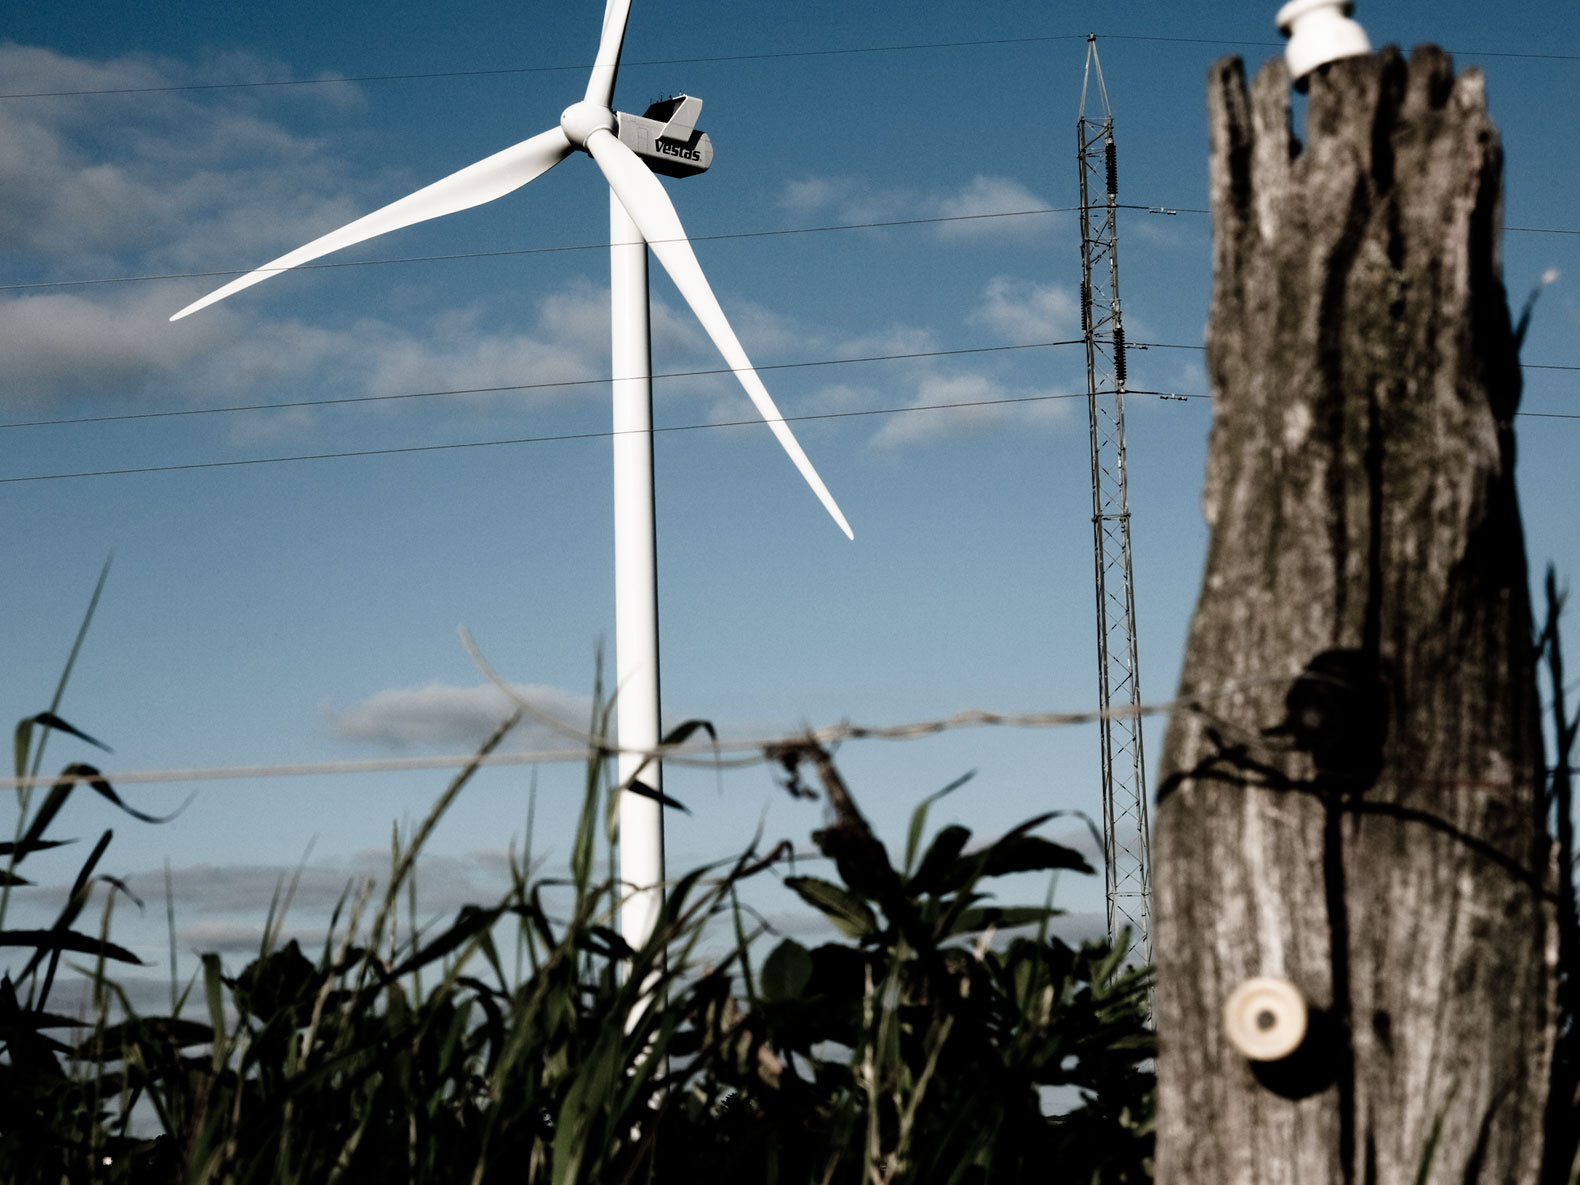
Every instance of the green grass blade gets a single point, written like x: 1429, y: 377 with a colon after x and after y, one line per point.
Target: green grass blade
x: 71, y: 659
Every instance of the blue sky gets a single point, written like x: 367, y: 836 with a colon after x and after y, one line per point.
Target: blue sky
x: 307, y: 611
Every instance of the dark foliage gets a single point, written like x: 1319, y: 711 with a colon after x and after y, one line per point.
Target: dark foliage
x: 922, y: 1046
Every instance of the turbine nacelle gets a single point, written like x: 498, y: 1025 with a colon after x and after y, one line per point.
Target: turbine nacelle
x: 665, y: 136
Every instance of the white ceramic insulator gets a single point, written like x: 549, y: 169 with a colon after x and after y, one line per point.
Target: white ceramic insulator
x: 1265, y: 1018
x: 1319, y: 32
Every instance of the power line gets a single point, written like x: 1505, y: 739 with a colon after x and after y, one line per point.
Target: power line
x: 563, y: 383
x: 426, y: 75
x: 1465, y: 53
x: 605, y: 434
x: 1532, y: 230
x: 507, y: 70
x: 38, y: 285
x: 742, y: 234
x: 1182, y: 346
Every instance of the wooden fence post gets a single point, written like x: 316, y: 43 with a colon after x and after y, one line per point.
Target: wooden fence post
x: 1354, y: 803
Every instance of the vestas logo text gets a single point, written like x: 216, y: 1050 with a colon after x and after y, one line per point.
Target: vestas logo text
x: 670, y: 148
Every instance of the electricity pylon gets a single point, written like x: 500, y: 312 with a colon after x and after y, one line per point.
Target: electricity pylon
x: 1127, y: 866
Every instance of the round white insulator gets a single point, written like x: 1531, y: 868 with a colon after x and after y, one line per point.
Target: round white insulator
x: 1265, y: 1018
x: 1319, y: 32
x: 581, y: 120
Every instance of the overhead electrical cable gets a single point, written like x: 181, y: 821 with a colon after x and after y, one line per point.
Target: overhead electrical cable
x: 1183, y: 346
x: 297, y: 404
x: 740, y: 234
x: 1464, y: 53
x: 604, y: 434
x: 907, y: 47
x: 581, y: 67
x: 607, y: 434
x: 673, y: 374
x: 38, y: 285
x: 1530, y: 230
x: 560, y: 384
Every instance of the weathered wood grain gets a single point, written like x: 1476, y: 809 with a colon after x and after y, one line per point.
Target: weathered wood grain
x: 1372, y: 829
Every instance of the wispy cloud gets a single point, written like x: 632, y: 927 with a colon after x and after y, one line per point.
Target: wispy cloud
x: 140, y: 184
x: 171, y: 183
x: 847, y: 199
x: 951, y: 397
x: 120, y: 348
x: 443, y: 715
x: 91, y: 182
x: 856, y: 200
x: 990, y: 195
x: 950, y: 406
x: 1019, y: 311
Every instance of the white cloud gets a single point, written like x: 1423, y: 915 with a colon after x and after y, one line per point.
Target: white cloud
x: 1160, y: 232
x: 890, y: 341
x: 454, y: 352
x: 950, y: 406
x: 120, y: 347
x: 1022, y: 311
x: 921, y: 382
x: 811, y: 193
x: 90, y: 184
x: 986, y: 196
x: 228, y: 905
x: 933, y: 391
x: 856, y: 200
x: 440, y: 715
x: 95, y: 186
x: 928, y: 385
x: 165, y: 181
x: 58, y: 342
x: 847, y: 200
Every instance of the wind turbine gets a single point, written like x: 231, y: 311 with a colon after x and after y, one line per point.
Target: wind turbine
x: 627, y: 149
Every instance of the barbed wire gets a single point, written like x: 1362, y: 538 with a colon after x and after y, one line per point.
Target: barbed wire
x: 740, y: 753
x: 718, y: 754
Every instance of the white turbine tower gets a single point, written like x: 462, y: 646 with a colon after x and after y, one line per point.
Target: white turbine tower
x: 627, y: 150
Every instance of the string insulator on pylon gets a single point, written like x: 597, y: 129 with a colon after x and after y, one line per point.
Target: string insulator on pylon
x: 1119, y: 355
x: 1086, y: 312
x: 1113, y: 168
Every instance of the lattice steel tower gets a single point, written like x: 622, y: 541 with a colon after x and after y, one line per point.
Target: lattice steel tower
x: 1126, y: 836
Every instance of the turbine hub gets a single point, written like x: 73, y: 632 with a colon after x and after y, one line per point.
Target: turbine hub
x: 580, y: 120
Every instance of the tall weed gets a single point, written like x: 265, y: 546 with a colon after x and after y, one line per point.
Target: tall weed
x: 919, y: 1043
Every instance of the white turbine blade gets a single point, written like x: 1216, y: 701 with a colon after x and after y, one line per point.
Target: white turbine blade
x: 650, y: 208
x: 490, y: 178
x: 600, y: 87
